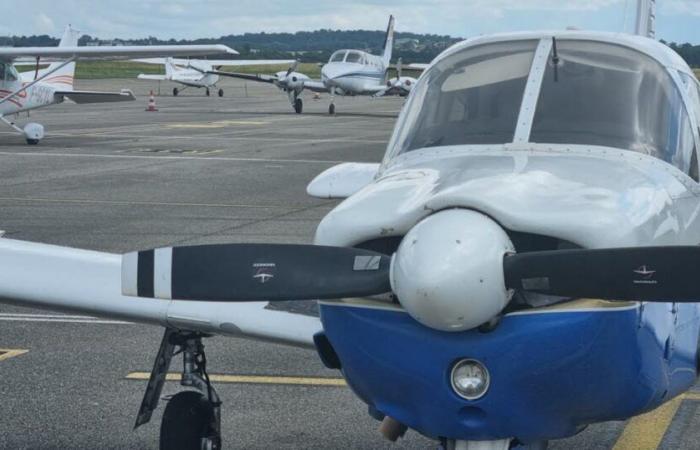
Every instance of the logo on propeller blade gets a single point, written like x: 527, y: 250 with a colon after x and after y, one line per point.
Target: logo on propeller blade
x: 264, y: 272
x: 646, y: 274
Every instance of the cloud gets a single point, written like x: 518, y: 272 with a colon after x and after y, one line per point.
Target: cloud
x: 214, y: 18
x: 681, y: 7
x: 44, y: 23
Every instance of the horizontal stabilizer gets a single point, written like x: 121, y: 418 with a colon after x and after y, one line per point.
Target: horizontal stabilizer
x: 144, y: 76
x: 82, y: 97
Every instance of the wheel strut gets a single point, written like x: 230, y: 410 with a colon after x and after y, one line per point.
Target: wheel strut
x: 194, y: 375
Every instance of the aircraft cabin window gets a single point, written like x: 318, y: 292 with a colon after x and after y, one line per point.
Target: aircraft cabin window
x: 470, y: 97
x: 338, y: 56
x: 609, y: 95
x: 353, y: 57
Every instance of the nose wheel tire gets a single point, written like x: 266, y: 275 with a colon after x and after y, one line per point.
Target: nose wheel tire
x: 32, y: 141
x: 185, y: 423
x: 331, y: 109
x: 298, y: 106
x: 221, y: 92
x: 208, y: 93
x: 175, y: 92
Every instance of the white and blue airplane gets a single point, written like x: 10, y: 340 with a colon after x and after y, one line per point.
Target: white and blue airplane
x: 522, y: 264
x: 20, y: 92
x: 196, y: 73
x: 347, y: 73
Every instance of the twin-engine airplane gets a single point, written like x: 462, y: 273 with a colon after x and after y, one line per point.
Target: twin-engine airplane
x: 523, y: 263
x: 347, y: 73
x: 44, y: 87
x: 197, y: 72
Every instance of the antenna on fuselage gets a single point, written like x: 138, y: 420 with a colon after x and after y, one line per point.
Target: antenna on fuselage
x: 646, y: 18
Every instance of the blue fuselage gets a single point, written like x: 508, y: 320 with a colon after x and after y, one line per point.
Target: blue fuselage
x: 552, y: 372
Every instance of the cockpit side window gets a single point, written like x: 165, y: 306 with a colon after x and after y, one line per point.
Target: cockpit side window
x: 353, y: 57
x: 692, y: 88
x: 609, y: 95
x: 338, y: 56
x: 470, y: 97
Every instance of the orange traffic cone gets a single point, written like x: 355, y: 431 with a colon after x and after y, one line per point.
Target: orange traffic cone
x: 151, y: 103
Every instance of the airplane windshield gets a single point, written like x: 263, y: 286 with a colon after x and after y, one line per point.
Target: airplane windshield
x: 338, y: 56
x: 608, y: 95
x: 353, y: 57
x: 596, y: 93
x: 470, y: 97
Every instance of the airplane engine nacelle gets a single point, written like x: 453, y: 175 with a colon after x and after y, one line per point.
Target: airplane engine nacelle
x: 448, y: 271
x: 295, y: 82
x: 34, y: 131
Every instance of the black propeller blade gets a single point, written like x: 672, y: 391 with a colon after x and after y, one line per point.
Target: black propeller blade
x: 660, y: 274
x: 255, y: 272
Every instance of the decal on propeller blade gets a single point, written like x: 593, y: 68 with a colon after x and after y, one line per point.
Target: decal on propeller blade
x: 264, y: 272
x: 646, y: 275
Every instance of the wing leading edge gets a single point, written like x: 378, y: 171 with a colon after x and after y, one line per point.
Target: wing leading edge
x: 84, y: 97
x: 62, y: 278
x: 117, y: 52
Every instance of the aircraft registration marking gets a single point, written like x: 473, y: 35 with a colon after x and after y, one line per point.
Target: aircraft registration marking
x: 217, y: 124
x: 10, y: 353
x: 253, y: 379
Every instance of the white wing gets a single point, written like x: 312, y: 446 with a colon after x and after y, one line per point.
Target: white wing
x: 61, y: 278
x: 218, y: 62
x: 82, y: 97
x: 117, y: 52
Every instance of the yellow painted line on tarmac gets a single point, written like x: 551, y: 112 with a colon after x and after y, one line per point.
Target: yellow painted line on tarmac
x: 645, y: 432
x: 253, y: 379
x: 6, y: 353
x: 692, y: 396
x: 217, y: 124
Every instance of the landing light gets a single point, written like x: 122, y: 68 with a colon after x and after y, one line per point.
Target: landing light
x: 470, y: 379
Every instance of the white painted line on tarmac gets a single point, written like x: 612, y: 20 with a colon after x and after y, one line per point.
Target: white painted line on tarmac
x: 199, y: 158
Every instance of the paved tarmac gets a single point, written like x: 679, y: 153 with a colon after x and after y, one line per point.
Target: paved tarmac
x: 201, y: 170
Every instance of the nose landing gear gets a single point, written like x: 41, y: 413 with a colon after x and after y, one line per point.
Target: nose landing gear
x: 192, y: 419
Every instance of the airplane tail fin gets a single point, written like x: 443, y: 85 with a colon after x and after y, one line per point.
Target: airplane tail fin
x: 388, y: 42
x: 646, y: 18
x: 63, y: 77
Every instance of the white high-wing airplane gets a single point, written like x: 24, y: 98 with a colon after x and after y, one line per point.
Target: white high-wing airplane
x: 44, y: 87
x: 348, y: 72
x: 197, y: 72
x: 523, y: 263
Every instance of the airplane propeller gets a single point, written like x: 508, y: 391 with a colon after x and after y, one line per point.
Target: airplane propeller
x: 447, y: 286
x: 292, y: 67
x: 255, y: 272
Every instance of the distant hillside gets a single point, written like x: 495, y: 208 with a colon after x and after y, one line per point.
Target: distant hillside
x: 310, y: 46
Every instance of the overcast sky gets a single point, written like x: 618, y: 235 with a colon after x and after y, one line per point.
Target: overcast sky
x: 677, y: 20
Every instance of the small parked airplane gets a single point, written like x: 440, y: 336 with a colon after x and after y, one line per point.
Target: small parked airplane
x: 198, y: 72
x: 347, y: 73
x: 522, y: 264
x: 43, y: 87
